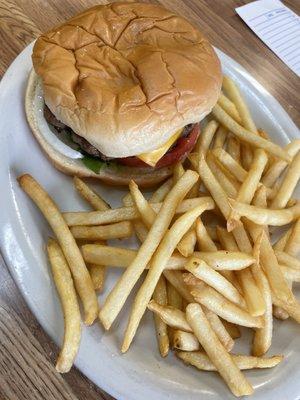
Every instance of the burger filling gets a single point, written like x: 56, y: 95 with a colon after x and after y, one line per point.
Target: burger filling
x: 176, y: 149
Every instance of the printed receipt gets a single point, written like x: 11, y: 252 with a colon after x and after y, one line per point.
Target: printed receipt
x: 277, y: 26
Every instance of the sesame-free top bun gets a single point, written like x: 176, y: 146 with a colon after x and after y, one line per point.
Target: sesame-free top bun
x: 126, y: 76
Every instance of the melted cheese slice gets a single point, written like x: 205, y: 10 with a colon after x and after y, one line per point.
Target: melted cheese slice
x: 154, y: 156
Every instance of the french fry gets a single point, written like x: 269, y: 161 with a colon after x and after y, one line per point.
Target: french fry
x: 178, y: 171
x: 225, y: 309
x: 185, y: 341
x: 174, y: 297
x: 235, y: 96
x: 96, y: 271
x: 117, y: 297
x: 65, y: 288
x: 121, y: 214
x: 212, y: 232
x: 160, y: 297
x: 171, y: 316
x: 229, y: 107
x: 281, y: 243
x: 280, y: 313
x: 80, y: 274
x: 278, y: 166
x: 214, y: 187
x: 288, y: 260
x: 247, y: 136
x: 292, y: 245
x: 234, y: 148
x: 262, y: 216
x: 201, y: 361
x: 273, y: 272
x: 203, y: 271
x: 89, y: 195
x: 263, y: 337
x: 288, y: 184
x: 139, y: 228
x: 230, y: 186
x: 206, y: 137
x: 162, y: 191
x: 290, y: 274
x: 220, y: 137
x: 187, y: 243
x: 249, y: 186
x: 123, y: 257
x: 204, y: 241
x: 220, y: 358
x: 230, y: 163
x: 175, y: 278
x: 147, y: 214
x: 158, y: 262
x: 293, y: 308
x: 232, y: 329
x: 119, y: 230
x: 223, y: 260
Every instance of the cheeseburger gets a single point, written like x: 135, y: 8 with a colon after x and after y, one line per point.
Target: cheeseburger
x: 118, y: 91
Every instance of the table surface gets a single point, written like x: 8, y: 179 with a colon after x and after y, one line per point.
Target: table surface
x: 27, y: 355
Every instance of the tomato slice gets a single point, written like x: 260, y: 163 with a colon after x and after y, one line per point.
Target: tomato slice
x: 183, y: 147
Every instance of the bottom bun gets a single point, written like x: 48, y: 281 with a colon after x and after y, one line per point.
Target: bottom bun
x: 121, y: 175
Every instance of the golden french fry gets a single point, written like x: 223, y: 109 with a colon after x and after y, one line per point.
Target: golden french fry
x: 224, y: 260
x: 235, y: 96
x: 232, y: 329
x: 161, y: 192
x: 278, y: 166
x: 97, y: 273
x: 230, y: 163
x: 119, y: 230
x: 219, y: 329
x: 292, y: 245
x: 201, y: 361
x: 187, y: 243
x: 171, y: 316
x: 139, y: 228
x: 158, y: 262
x: 273, y: 272
x: 204, y: 241
x: 160, y: 297
x: 263, y: 337
x: 293, y: 309
x: 229, y: 107
x: 89, y: 195
x: 218, y: 355
x: 174, y: 297
x: 121, y: 214
x: 220, y: 137
x: 262, y: 216
x: 234, y: 148
x: 288, y: 184
x: 203, y: 271
x: 230, y: 186
x: 247, y: 136
x: 214, y: 187
x: 288, y: 260
x: 175, y: 278
x: 206, y: 137
x: 281, y: 243
x: 65, y: 288
x: 117, y: 297
x: 147, y: 214
x: 80, y: 274
x: 290, y: 274
x: 249, y: 186
x: 227, y: 310
x: 212, y: 232
x: 185, y: 341
x: 279, y: 313
x: 178, y: 171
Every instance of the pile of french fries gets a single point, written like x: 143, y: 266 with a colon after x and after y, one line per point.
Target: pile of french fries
x: 207, y: 249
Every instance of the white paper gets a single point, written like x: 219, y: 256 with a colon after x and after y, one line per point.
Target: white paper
x: 277, y: 26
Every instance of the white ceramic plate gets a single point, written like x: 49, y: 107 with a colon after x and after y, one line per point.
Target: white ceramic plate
x: 141, y: 373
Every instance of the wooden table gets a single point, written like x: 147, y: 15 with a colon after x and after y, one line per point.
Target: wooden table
x: 27, y: 355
